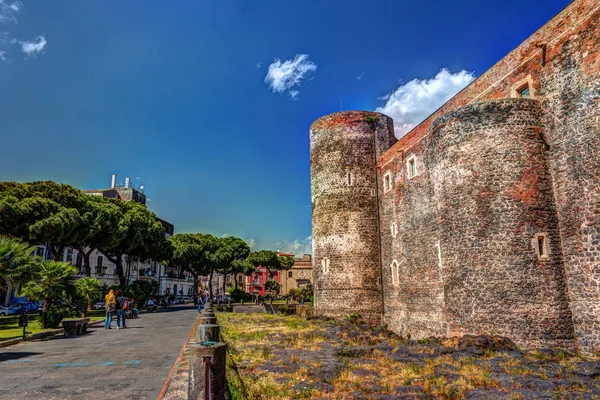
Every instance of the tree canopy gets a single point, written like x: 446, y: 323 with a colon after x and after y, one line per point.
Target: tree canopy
x: 271, y: 261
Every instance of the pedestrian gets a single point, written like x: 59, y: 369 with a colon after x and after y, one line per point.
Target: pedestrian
x: 110, y: 302
x: 134, y: 311
x: 122, y: 308
x: 200, y: 305
x: 151, y: 306
x: 301, y: 299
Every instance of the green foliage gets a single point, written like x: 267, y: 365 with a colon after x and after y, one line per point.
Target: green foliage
x: 45, y: 211
x: 142, y: 290
x: 54, y: 281
x: 225, y: 308
x: 271, y: 261
x: 307, y: 292
x: 89, y: 289
x: 355, y: 318
x: 17, y: 265
x: 238, y: 294
x: 144, y: 237
x: 371, y: 119
x: 53, y: 316
x: 272, y: 288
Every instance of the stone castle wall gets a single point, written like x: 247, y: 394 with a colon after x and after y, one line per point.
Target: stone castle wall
x: 493, y: 175
x: 344, y: 149
x: 493, y: 192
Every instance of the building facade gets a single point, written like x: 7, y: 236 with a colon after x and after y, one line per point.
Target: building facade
x: 485, y: 218
x: 299, y: 276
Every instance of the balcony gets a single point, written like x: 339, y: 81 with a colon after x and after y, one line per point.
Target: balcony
x: 175, y: 276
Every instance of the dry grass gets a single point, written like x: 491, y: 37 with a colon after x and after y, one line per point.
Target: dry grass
x: 280, y: 357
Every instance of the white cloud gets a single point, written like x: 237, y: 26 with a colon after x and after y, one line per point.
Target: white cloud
x: 298, y: 247
x: 33, y: 48
x: 2, y: 56
x: 286, y: 76
x: 414, y: 101
x: 8, y: 11
x: 358, y: 78
x: 258, y: 65
x: 251, y: 243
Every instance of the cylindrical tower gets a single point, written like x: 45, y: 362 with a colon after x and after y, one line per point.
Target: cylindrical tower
x: 344, y: 149
x: 500, y: 249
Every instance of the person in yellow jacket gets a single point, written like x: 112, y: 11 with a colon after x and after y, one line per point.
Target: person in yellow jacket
x: 110, y: 302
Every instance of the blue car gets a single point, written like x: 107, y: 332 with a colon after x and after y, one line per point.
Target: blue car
x: 16, y: 308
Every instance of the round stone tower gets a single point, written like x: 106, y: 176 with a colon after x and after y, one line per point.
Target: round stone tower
x: 344, y: 150
x: 499, y: 243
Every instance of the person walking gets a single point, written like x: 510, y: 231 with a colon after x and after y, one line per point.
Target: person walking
x: 122, y: 308
x: 110, y: 302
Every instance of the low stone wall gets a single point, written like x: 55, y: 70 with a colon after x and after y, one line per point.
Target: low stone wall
x: 176, y: 386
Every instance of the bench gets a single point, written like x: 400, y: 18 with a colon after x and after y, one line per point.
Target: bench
x: 76, y: 326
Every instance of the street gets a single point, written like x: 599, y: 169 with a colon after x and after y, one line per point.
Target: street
x: 130, y: 363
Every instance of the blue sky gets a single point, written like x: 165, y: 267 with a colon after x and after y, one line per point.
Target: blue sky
x: 175, y: 92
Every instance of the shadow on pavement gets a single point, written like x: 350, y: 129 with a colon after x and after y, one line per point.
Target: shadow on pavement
x: 16, y: 355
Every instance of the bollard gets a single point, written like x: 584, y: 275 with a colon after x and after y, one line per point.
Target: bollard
x: 208, y: 310
x: 208, y: 320
x: 207, y: 371
x: 208, y: 333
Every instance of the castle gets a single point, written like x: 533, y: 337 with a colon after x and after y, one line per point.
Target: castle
x: 485, y: 218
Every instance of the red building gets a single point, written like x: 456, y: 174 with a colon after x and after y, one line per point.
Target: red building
x: 255, y: 283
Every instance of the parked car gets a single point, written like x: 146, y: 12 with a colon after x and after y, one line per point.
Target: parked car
x: 99, y: 305
x: 3, y: 311
x: 30, y: 307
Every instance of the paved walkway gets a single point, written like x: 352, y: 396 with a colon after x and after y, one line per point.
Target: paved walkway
x: 130, y: 363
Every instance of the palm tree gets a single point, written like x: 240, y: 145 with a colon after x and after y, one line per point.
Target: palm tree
x: 54, y: 281
x: 17, y: 263
x: 88, y: 288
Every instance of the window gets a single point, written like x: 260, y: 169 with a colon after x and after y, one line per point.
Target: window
x: 301, y: 274
x: 350, y: 179
x: 523, y: 89
x: 99, y: 267
x: 325, y: 265
x: 395, y: 270
x: 387, y: 182
x: 524, y: 92
x: 39, y: 251
x: 394, y: 229
x: 541, y: 245
x: 69, y: 255
x: 290, y: 274
x: 372, y: 192
x: 411, y: 167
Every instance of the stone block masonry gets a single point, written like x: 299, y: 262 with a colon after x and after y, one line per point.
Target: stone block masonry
x: 485, y: 218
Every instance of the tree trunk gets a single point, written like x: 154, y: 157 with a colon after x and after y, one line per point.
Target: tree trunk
x: 235, y: 279
x: 86, y: 260
x: 118, y: 261
x: 224, y: 280
x: 210, y: 292
x: 57, y: 252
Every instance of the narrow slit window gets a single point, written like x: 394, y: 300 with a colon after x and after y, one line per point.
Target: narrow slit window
x: 387, y: 182
x: 325, y: 265
x: 411, y: 167
x: 541, y: 246
x: 395, y: 270
x: 394, y: 229
x: 350, y: 179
